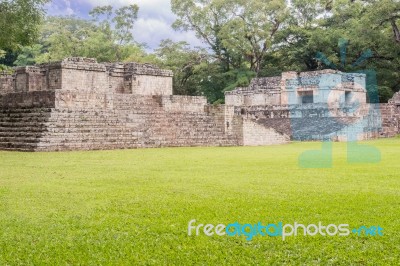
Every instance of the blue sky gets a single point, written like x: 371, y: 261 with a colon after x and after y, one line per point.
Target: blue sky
x: 153, y: 25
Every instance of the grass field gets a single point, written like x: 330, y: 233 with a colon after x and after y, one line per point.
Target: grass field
x: 133, y: 206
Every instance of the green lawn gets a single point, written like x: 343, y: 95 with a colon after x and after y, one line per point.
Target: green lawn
x: 133, y: 206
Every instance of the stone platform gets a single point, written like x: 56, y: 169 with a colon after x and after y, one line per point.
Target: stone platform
x: 79, y: 104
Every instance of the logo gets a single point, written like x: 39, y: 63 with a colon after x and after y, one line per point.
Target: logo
x: 332, y: 107
x: 281, y: 230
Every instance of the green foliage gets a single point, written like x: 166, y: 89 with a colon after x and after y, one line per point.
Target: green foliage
x: 316, y: 26
x: 28, y: 55
x: 385, y: 94
x: 117, y: 25
x: 206, y: 20
x: 239, y: 32
x: 189, y: 65
x: 238, y: 78
x: 196, y: 73
x: 69, y: 36
x: 137, y: 53
x: 4, y: 68
x: 107, y: 38
x: 269, y: 37
x: 215, y: 82
x: 251, y: 29
x: 2, y: 55
x: 19, y: 21
x: 121, y: 208
x: 244, y: 39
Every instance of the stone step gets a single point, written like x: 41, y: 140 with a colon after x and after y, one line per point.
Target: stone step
x: 26, y: 116
x: 21, y: 125
x: 21, y: 129
x: 22, y: 121
x: 20, y: 139
x: 126, y: 127
x: 21, y: 135
x: 16, y: 146
x: 11, y: 129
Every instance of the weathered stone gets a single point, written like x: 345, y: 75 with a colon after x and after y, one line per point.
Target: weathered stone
x: 79, y: 104
x: 318, y: 105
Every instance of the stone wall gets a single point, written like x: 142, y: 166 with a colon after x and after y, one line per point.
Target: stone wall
x: 183, y: 104
x: 23, y: 119
x: 325, y: 86
x: 257, y: 134
x: 391, y: 117
x: 75, y: 100
x: 390, y: 120
x: 338, y: 109
x: 261, y: 91
x: 315, y: 122
x: 85, y: 75
x: 72, y: 120
x: 79, y: 104
x: 6, y: 83
x: 147, y: 79
x: 22, y: 129
x: 253, y: 98
x: 395, y: 100
x: 36, y: 99
x: 151, y: 85
x: 133, y: 122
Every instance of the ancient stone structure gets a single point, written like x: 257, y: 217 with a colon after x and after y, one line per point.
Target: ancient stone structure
x: 79, y: 104
x: 318, y: 105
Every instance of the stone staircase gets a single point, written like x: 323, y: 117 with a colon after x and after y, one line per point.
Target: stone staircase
x: 177, y: 129
x: 22, y: 129
x: 133, y: 122
x: 143, y: 124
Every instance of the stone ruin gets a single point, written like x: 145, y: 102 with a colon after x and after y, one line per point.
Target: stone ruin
x: 317, y: 105
x: 79, y: 104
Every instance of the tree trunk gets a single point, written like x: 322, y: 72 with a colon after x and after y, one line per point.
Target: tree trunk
x: 396, y: 31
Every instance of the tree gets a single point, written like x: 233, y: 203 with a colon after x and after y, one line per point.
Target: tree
x: 107, y: 37
x: 316, y: 26
x: 185, y: 63
x: 205, y: 18
x: 28, y: 55
x: 117, y: 25
x: 19, y: 21
x: 302, y: 37
x: 137, y: 53
x: 349, y: 19
x: 121, y: 21
x: 196, y: 72
x: 69, y: 36
x: 236, y: 30
x: 252, y: 28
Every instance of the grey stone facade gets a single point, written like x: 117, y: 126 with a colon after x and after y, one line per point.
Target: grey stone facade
x: 318, y: 105
x: 79, y: 104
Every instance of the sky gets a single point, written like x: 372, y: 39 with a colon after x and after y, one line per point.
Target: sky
x: 154, y: 19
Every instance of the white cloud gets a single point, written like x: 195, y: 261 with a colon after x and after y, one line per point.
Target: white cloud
x: 69, y: 10
x: 152, y: 31
x: 153, y: 25
x: 60, y: 8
